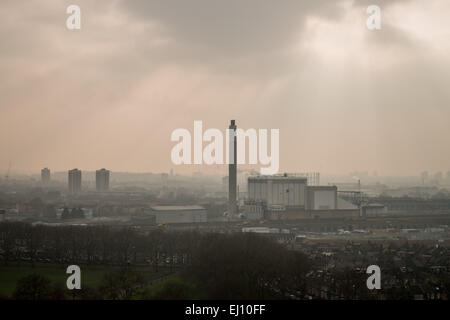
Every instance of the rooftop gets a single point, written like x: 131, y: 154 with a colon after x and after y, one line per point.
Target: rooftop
x: 176, y: 208
x: 277, y: 177
x: 322, y: 188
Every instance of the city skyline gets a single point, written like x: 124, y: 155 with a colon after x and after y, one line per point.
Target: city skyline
x: 254, y: 152
x: 223, y: 171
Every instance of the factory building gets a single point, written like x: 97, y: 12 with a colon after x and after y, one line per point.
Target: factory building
x: 179, y: 214
x: 254, y: 210
x: 322, y: 198
x: 373, y: 210
x: 285, y: 197
x: 278, y: 190
x: 276, y: 197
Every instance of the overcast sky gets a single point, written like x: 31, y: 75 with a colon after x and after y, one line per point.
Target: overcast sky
x: 109, y: 95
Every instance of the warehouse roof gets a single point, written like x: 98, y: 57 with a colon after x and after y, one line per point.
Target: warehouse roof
x: 281, y: 178
x: 322, y: 188
x: 176, y: 208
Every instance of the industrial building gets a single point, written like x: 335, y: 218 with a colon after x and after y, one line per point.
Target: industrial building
x: 283, y: 197
x: 373, y: 210
x: 254, y: 210
x: 74, y: 181
x: 179, y: 214
x: 322, y: 198
x: 278, y: 190
x: 232, y: 171
x: 286, y: 197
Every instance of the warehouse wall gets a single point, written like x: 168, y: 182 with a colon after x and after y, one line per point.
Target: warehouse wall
x: 289, y: 192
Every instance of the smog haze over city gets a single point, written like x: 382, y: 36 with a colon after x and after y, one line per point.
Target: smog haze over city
x: 206, y: 150
x: 344, y: 97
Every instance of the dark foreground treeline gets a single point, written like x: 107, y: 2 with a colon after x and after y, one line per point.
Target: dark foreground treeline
x: 200, y: 266
x: 93, y: 245
x: 208, y: 266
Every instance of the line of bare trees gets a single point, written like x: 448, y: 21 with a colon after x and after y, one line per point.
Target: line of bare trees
x: 93, y: 245
x: 235, y: 266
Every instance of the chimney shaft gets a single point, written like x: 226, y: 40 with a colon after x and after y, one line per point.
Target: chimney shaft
x: 232, y: 174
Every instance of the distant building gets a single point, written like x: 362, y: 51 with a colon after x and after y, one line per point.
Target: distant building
x: 164, y: 179
x: 284, y: 190
x: 438, y: 176
x: 287, y: 197
x: 102, y: 180
x: 322, y: 198
x: 373, y: 210
x: 254, y: 210
x: 45, y: 176
x: 179, y: 214
x: 74, y: 181
x: 272, y: 197
x: 424, y: 176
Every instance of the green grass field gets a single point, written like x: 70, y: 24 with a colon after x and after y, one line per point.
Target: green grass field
x: 91, y: 276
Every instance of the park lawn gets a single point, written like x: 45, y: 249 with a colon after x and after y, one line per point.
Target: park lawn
x: 91, y: 276
x: 172, y: 287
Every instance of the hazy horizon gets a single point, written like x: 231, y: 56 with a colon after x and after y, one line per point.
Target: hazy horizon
x: 364, y: 175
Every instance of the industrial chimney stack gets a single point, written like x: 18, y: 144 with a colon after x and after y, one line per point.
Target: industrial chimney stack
x: 232, y: 178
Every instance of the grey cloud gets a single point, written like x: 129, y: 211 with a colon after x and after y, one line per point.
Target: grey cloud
x: 389, y: 35
x: 251, y: 37
x: 223, y: 59
x: 232, y: 27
